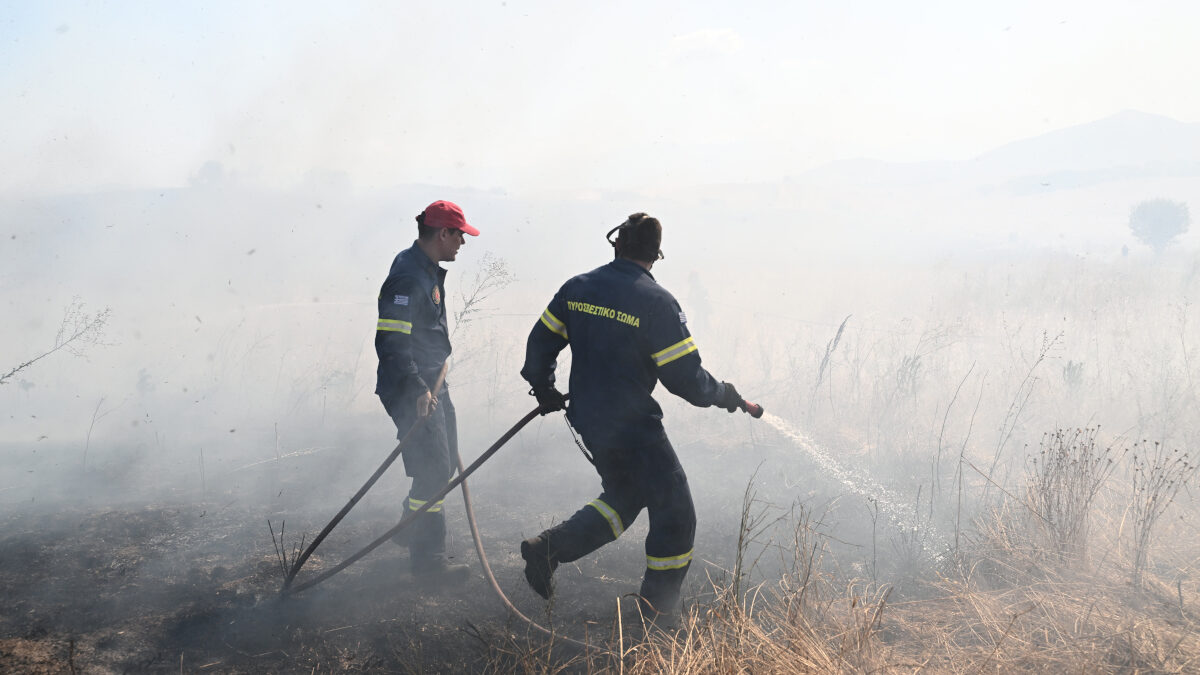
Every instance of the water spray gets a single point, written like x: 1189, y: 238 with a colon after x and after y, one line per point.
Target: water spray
x: 857, y: 482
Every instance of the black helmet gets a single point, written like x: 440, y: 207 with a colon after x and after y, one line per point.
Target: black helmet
x: 639, y: 238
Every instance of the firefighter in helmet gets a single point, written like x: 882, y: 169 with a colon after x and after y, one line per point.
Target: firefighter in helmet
x: 626, y: 334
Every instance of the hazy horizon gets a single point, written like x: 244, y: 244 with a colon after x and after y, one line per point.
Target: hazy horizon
x: 530, y: 95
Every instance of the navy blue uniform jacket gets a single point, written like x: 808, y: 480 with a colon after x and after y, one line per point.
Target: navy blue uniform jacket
x: 411, y: 338
x: 626, y: 334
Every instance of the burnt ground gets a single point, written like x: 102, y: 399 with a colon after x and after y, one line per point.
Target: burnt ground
x: 95, y: 583
x: 136, y: 589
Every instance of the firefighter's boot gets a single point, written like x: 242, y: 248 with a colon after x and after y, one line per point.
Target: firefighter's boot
x: 427, y: 551
x: 439, y: 570
x: 402, y: 538
x: 540, y: 563
x: 659, y: 596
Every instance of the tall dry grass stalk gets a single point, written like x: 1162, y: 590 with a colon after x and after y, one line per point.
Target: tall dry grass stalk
x: 1062, y: 481
x: 1158, y: 475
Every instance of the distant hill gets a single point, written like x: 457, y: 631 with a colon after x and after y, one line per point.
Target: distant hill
x: 1130, y: 140
x: 1124, y: 146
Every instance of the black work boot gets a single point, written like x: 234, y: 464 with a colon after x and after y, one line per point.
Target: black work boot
x: 639, y: 619
x: 539, y: 565
x: 439, y: 570
x: 663, y: 614
x: 403, y: 537
x: 659, y: 597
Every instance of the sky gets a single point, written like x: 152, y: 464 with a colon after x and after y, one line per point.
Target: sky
x: 518, y: 95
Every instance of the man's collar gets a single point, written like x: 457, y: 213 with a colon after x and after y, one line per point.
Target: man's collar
x: 626, y: 264
x: 424, y: 259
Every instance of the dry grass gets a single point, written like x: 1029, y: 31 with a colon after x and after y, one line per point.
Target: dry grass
x: 1158, y: 475
x: 1001, y: 606
x: 1007, y: 610
x: 1062, y: 481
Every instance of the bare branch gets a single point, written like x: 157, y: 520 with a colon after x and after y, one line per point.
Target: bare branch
x: 76, y: 333
x: 491, y: 275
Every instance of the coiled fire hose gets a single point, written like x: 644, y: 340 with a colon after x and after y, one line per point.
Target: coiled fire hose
x: 754, y: 410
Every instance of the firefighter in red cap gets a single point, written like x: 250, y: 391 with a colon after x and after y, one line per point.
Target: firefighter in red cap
x: 626, y: 334
x: 413, y: 343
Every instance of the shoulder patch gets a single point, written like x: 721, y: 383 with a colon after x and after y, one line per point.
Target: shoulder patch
x: 682, y: 317
x: 401, y: 300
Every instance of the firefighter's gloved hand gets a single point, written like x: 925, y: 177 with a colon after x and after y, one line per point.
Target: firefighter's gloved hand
x: 731, y: 400
x: 549, y: 398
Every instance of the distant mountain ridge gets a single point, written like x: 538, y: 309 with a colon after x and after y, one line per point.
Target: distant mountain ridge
x: 1127, y: 145
x: 1126, y: 139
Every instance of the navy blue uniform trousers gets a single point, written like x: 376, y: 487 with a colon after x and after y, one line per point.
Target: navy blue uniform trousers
x: 430, y: 459
x: 635, y: 478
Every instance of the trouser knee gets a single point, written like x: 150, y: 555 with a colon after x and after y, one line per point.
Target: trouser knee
x: 591, y: 527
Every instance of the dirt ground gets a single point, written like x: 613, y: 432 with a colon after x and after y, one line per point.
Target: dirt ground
x: 96, y: 584
x: 160, y: 587
x: 104, y: 573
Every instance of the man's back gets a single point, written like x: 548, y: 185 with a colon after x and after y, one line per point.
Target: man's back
x: 626, y: 332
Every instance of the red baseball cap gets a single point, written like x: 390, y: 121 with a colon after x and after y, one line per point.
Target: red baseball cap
x: 448, y: 215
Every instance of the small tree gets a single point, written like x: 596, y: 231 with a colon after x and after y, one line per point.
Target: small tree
x: 1157, y: 222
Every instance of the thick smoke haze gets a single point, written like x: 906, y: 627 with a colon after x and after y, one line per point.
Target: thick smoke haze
x: 905, y: 231
x: 241, y: 317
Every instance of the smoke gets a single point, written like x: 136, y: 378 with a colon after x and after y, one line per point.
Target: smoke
x: 236, y: 378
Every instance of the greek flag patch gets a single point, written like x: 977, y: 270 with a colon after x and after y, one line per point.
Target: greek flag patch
x: 401, y: 300
x: 682, y: 317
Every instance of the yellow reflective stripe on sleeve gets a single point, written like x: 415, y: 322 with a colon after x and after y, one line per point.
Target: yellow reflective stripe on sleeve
x: 671, y: 563
x: 557, y: 327
x: 395, y: 326
x: 614, y: 520
x: 416, y: 504
x: 677, y: 350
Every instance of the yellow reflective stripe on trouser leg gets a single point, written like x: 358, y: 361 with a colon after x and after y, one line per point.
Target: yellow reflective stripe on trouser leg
x: 555, y: 326
x: 681, y: 348
x: 416, y: 504
x: 395, y: 326
x: 614, y: 519
x: 669, y: 563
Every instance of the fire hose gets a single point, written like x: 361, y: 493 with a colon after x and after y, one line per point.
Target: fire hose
x: 753, y: 409
x: 387, y: 462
